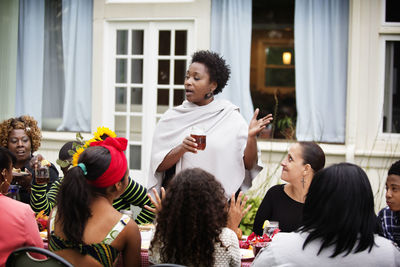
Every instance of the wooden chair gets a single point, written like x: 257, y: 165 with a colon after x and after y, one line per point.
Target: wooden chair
x: 21, y: 257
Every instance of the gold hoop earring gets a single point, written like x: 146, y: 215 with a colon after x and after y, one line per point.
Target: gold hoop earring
x: 1, y: 186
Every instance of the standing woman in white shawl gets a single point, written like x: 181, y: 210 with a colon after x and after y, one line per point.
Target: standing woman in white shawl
x: 231, y: 145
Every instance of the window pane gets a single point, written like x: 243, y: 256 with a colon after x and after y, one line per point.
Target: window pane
x: 121, y: 71
x: 164, y: 45
x: 136, y: 128
x: 179, y: 96
x: 180, y: 43
x: 279, y: 77
x: 391, y: 113
x: 180, y: 70
x: 272, y: 35
x: 136, y: 99
x: 163, y: 72
x: 120, y: 126
x: 137, y: 42
x: 137, y: 71
x: 122, y: 42
x: 135, y: 157
x: 162, y: 100
x: 120, y: 99
x: 279, y: 56
x: 392, y: 11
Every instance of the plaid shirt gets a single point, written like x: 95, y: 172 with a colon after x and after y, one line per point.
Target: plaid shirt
x: 390, y: 223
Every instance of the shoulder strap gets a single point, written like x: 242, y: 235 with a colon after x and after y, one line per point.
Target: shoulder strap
x: 118, y: 227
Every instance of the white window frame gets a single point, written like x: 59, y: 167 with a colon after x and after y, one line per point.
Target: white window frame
x: 150, y: 70
x: 383, y: 17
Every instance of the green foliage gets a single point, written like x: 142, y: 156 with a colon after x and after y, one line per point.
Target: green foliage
x: 247, y: 222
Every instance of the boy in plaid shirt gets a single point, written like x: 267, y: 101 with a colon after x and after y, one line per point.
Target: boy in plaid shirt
x: 389, y: 216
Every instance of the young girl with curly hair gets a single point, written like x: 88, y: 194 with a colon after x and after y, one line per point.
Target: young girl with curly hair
x: 195, y: 226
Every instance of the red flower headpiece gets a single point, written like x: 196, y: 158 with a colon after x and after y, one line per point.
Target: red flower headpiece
x: 118, y: 164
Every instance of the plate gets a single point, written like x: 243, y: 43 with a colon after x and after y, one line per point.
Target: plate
x: 20, y: 173
x: 246, y: 254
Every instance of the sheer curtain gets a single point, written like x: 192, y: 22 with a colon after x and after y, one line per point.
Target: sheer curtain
x: 77, y: 46
x: 321, y: 42
x: 231, y: 37
x: 30, y: 59
x: 54, y: 63
x: 8, y: 55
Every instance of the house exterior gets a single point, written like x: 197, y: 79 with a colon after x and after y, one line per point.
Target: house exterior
x: 134, y: 80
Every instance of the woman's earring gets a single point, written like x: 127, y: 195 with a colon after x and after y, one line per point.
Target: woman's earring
x: 209, y: 95
x: 303, y: 181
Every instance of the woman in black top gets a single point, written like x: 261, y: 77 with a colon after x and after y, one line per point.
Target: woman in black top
x: 284, y: 203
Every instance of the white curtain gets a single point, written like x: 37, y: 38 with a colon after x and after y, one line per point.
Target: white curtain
x: 77, y: 46
x: 8, y: 55
x: 321, y: 42
x: 231, y: 37
x: 30, y: 59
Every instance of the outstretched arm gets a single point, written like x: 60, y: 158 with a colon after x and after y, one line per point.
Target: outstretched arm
x: 40, y: 200
x: 255, y: 127
x: 135, y: 194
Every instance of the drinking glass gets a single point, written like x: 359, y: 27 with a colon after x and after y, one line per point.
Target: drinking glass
x: 42, y: 174
x: 270, y: 228
x: 200, y: 136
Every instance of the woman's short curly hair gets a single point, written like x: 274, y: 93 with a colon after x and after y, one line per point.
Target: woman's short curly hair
x: 217, y: 68
x: 27, y: 123
x: 191, y: 220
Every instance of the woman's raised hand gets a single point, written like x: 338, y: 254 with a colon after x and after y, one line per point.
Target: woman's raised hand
x: 256, y: 126
x: 156, y: 201
x: 237, y: 210
x: 34, y: 162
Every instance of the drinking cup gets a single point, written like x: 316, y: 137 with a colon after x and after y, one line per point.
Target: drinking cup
x: 270, y: 228
x: 200, y: 136
x: 42, y: 174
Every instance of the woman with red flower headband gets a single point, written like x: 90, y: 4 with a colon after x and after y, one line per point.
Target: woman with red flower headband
x: 85, y: 228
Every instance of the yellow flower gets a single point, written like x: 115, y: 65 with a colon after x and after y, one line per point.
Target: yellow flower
x: 87, y: 143
x: 75, y: 157
x: 103, y: 131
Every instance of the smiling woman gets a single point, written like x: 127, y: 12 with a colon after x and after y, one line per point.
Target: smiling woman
x: 284, y: 203
x: 22, y: 137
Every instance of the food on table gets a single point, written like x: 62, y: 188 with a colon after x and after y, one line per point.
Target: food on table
x: 41, y: 220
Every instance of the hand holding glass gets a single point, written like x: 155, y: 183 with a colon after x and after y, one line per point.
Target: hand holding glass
x: 200, y: 136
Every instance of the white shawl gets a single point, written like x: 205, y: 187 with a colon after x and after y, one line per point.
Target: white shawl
x: 226, y: 132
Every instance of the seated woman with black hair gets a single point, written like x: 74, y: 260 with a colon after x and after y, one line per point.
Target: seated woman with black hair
x: 84, y: 227
x: 338, y: 226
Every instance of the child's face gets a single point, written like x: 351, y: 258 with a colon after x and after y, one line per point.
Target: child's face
x: 393, y: 192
